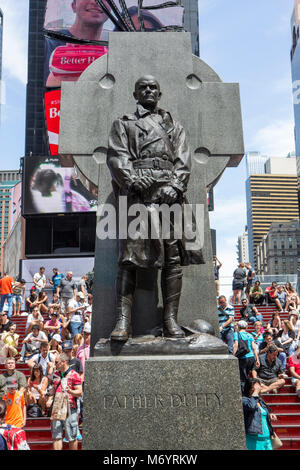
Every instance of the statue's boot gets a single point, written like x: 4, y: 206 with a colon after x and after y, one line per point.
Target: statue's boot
x: 171, y: 285
x: 125, y: 287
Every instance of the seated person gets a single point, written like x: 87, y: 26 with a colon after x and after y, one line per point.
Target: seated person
x: 275, y: 324
x: 292, y: 304
x: 256, y: 295
x: 32, y: 343
x: 34, y: 318
x: 281, y: 295
x: 268, y: 340
x: 55, y: 302
x: 249, y: 313
x: 286, y: 337
x: 44, y: 358
x: 294, y: 369
x: 271, y: 296
x: 10, y: 340
x: 31, y: 301
x: 36, y: 387
x: 5, y: 322
x: 258, y: 334
x: 53, y: 325
x: 42, y: 302
x: 11, y: 371
x: 269, y: 371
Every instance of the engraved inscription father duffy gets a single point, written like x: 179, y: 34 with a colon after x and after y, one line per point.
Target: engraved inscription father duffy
x: 150, y: 163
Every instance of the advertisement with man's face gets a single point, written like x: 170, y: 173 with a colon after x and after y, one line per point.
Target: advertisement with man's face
x: 51, y: 188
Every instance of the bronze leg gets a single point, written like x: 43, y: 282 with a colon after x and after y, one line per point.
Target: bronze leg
x: 171, y: 285
x: 125, y: 287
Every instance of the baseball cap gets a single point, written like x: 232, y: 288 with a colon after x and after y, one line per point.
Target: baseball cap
x: 12, y: 382
x: 87, y: 328
x: 80, y: 294
x: 57, y: 338
x: 67, y: 345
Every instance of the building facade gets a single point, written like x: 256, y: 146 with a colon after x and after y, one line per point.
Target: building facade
x: 279, y: 250
x: 8, y: 180
x: 270, y: 198
x: 242, y: 247
x: 295, y: 69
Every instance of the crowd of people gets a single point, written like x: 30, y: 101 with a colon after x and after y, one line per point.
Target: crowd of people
x: 55, y: 348
x: 268, y: 355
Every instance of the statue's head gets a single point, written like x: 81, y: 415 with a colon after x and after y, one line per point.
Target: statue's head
x: 147, y: 91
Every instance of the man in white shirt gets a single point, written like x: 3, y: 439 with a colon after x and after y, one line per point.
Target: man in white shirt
x: 32, y: 342
x: 76, y: 309
x: 46, y: 359
x: 39, y: 280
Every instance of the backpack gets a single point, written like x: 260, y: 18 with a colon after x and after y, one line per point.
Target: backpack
x: 243, y: 348
x: 34, y: 411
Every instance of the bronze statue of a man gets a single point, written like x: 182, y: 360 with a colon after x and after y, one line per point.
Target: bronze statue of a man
x: 150, y: 163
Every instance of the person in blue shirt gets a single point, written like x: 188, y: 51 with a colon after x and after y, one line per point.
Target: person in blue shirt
x: 55, y: 282
x: 226, y: 322
x: 250, y: 360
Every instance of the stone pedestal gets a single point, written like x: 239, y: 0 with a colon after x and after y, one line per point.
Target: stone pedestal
x: 163, y: 403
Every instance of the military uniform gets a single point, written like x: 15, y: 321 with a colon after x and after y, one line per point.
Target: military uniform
x: 154, y: 145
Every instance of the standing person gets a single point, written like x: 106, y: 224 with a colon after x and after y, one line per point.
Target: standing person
x: 238, y: 283
x: 81, y: 286
x: 15, y: 403
x: 12, y: 438
x: 70, y: 384
x: 6, y: 290
x: 76, y: 311
x: 67, y: 291
x: 250, y: 279
x: 18, y: 297
x: 11, y: 371
x: 74, y: 362
x: 55, y: 281
x: 226, y: 318
x: 258, y: 417
x: 248, y: 361
x: 217, y: 265
x: 83, y: 352
x: 39, y: 280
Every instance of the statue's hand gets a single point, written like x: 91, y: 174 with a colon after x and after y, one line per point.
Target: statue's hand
x: 143, y: 183
x: 169, y: 195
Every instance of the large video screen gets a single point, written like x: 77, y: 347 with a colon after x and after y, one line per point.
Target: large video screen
x: 49, y: 187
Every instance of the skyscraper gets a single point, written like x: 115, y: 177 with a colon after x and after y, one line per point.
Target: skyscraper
x: 295, y: 69
x: 8, y: 179
x: 255, y: 163
x: 271, y: 197
x: 1, y: 42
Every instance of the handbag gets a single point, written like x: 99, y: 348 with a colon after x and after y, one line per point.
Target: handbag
x: 276, y: 442
x: 60, y: 407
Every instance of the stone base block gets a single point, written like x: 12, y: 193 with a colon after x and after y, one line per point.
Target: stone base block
x: 163, y: 403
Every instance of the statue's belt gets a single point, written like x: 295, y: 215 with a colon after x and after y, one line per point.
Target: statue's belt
x: 153, y: 163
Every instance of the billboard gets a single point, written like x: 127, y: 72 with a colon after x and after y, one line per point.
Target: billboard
x: 52, y: 112
x: 49, y: 187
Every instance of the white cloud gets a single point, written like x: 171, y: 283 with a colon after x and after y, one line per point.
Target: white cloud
x: 276, y: 138
x: 15, y: 39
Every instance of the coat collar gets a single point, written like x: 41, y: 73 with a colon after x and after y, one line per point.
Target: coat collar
x: 142, y: 113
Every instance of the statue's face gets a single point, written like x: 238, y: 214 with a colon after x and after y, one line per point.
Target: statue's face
x: 147, y: 92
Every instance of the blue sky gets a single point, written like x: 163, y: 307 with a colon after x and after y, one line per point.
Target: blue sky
x: 245, y: 41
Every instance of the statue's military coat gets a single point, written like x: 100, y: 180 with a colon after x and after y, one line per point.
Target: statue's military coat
x: 137, y: 137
